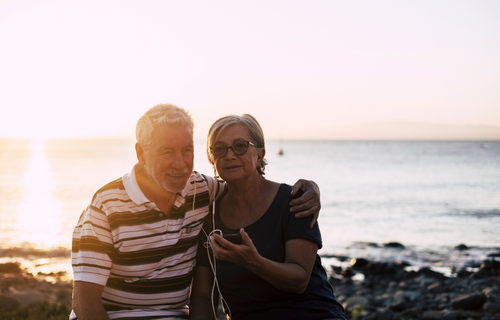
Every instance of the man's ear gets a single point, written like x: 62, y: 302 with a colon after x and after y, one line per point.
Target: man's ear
x: 139, y: 151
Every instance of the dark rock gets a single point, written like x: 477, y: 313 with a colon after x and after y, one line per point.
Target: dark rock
x: 8, y: 303
x: 481, y: 274
x: 461, y: 247
x: 432, y: 315
x: 492, y: 294
x: 492, y: 307
x: 436, y: 287
x: 452, y: 315
x: 409, y: 313
x: 463, y: 273
x: 337, y: 270
x: 431, y: 274
x: 347, y: 272
x: 10, y: 267
x: 359, y: 263
x: 469, y: 302
x: 404, y: 299
x: 395, y: 245
x: 354, y: 303
x: 377, y: 315
x: 424, y: 281
x: 490, y: 265
x: 382, y: 268
x: 494, y: 255
x: 398, y: 305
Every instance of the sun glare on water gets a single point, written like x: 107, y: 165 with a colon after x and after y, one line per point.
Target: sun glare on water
x: 39, y: 214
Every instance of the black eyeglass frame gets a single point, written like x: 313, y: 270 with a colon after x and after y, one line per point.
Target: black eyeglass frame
x: 231, y: 147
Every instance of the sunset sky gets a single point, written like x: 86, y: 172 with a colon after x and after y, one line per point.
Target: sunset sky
x: 305, y: 69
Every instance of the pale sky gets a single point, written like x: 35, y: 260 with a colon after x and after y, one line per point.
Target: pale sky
x: 303, y: 68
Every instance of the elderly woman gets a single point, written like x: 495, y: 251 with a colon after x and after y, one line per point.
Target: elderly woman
x: 275, y: 272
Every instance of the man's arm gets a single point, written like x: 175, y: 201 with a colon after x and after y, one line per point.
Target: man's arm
x: 87, y: 303
x: 309, y: 203
x: 200, y: 305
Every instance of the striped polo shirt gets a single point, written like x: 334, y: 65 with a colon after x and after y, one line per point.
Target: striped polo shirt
x: 144, y: 259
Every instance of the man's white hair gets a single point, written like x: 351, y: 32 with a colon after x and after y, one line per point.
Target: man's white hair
x: 161, y: 114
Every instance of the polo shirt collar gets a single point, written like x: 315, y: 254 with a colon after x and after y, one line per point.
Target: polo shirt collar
x: 132, y: 187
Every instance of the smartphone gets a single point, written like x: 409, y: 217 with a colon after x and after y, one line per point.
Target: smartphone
x: 233, y: 237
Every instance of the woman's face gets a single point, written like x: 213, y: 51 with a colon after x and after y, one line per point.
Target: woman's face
x: 232, y: 167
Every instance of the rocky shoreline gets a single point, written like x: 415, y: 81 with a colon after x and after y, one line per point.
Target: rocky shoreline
x: 368, y: 289
x: 26, y: 296
x: 390, y: 291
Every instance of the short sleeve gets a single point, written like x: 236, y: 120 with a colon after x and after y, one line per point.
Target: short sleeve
x: 92, y: 248
x: 299, y: 228
x: 215, y: 187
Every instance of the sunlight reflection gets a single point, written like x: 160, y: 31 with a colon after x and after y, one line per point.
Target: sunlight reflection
x: 39, y: 214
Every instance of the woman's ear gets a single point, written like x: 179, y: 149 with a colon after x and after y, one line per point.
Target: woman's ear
x: 260, y: 155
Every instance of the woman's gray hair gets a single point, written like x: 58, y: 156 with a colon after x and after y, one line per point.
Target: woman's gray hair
x: 161, y: 114
x: 246, y: 120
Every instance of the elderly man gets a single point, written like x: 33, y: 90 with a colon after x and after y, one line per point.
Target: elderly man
x: 134, y: 247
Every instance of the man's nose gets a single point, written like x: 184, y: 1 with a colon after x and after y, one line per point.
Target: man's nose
x: 178, y: 162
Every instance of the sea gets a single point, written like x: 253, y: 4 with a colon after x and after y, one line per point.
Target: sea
x: 423, y: 197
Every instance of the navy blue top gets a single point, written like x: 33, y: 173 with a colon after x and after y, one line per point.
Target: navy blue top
x: 251, y: 297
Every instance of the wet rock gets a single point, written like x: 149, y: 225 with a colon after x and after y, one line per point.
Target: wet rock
x: 452, y: 315
x: 469, y: 302
x: 431, y: 274
x: 424, y: 281
x: 10, y: 267
x: 436, y: 287
x: 490, y: 265
x: 411, y: 313
x: 492, y: 307
x: 348, y: 272
x: 432, y: 315
x: 354, y: 303
x: 377, y: 315
x: 395, y: 245
x: 337, y: 270
x: 463, y: 273
x: 404, y: 299
x: 382, y: 268
x: 461, y: 247
x: 492, y: 294
x: 8, y: 303
x: 359, y: 263
x: 494, y: 255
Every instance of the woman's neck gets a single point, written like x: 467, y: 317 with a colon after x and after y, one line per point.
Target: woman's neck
x: 246, y: 201
x: 244, y: 191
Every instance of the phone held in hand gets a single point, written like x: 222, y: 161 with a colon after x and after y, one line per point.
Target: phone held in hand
x: 233, y: 237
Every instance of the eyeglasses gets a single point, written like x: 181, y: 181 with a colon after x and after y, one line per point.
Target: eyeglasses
x: 239, y: 148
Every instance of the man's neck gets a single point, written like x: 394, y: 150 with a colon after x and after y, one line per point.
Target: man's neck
x: 163, y: 200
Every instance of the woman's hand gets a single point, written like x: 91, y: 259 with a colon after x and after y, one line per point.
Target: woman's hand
x: 292, y: 275
x: 243, y: 254
x: 307, y: 204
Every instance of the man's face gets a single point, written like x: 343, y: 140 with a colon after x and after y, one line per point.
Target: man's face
x: 169, y: 160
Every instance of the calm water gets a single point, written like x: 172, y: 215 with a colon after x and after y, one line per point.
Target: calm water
x: 428, y: 196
